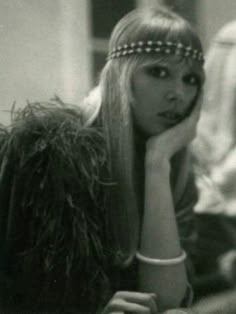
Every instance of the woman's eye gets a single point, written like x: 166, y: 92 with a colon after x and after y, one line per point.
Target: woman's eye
x: 158, y: 72
x: 192, y: 80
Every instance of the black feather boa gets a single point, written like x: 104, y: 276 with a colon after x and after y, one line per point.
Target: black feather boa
x: 55, y: 250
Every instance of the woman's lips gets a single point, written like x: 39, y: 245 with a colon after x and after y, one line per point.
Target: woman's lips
x: 170, y: 117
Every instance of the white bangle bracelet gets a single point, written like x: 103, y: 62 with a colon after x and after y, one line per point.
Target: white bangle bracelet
x: 164, y: 262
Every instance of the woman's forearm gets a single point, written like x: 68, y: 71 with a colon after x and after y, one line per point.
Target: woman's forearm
x: 160, y: 240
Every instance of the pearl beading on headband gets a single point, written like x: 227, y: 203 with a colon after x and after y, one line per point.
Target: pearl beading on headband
x: 156, y: 47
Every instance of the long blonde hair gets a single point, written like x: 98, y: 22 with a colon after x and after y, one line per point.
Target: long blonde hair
x: 115, y: 100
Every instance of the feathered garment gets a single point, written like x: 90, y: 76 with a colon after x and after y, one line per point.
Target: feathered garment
x: 54, y: 244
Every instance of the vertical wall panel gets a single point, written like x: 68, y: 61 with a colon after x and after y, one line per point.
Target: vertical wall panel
x: 43, y: 51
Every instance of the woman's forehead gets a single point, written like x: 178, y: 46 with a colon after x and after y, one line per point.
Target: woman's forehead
x: 172, y: 60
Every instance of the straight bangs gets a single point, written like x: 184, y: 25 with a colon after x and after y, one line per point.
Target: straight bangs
x: 182, y: 31
x: 166, y: 26
x: 169, y: 30
x: 155, y: 24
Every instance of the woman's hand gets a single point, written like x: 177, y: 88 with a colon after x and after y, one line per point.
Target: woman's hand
x: 131, y: 302
x: 164, y: 146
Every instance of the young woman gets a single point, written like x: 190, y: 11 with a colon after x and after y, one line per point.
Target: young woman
x: 147, y: 104
x: 144, y: 110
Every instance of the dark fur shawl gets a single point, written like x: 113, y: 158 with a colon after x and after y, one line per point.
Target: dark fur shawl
x: 54, y: 244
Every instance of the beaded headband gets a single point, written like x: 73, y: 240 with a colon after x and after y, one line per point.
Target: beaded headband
x: 150, y: 46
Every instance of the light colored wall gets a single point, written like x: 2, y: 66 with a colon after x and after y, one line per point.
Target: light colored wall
x: 212, y: 15
x: 44, y: 50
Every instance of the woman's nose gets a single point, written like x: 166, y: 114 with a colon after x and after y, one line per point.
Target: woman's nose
x: 176, y: 93
x: 171, y: 96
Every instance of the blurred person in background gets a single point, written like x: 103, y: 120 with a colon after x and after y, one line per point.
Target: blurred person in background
x: 215, y: 151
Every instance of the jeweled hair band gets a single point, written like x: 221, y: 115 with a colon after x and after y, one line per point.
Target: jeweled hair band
x: 176, y: 48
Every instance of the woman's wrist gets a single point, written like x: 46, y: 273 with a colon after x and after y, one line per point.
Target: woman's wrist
x: 161, y: 163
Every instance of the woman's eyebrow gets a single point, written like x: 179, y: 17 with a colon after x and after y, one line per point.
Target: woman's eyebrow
x: 195, y: 71
x: 157, y: 63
